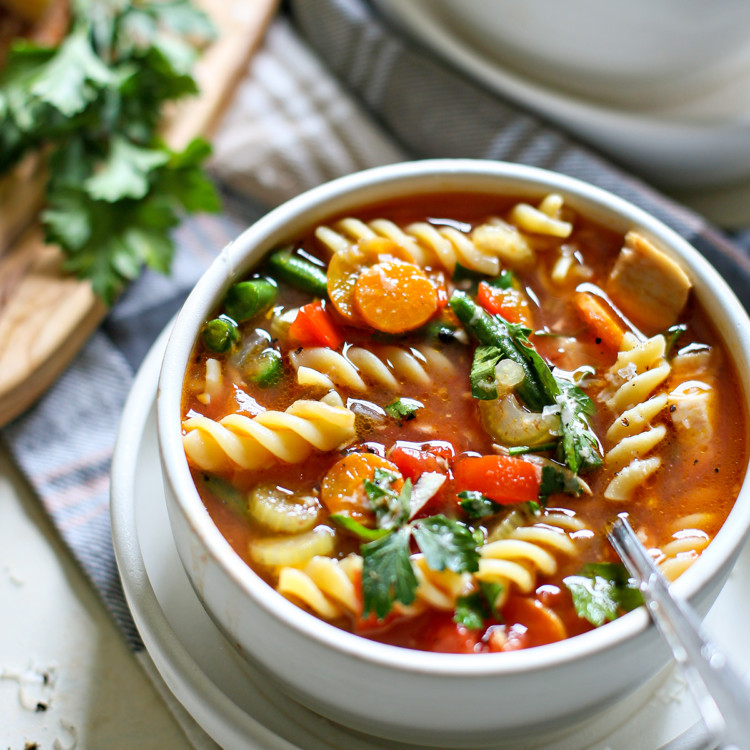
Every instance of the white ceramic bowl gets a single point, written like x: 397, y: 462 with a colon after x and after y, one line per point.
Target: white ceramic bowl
x: 435, y: 699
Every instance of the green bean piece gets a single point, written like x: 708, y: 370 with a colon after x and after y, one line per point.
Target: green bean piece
x: 249, y: 298
x: 299, y: 272
x: 490, y: 332
x: 220, y: 334
x: 226, y: 492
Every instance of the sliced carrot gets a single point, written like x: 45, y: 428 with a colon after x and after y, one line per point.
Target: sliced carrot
x: 510, y: 303
x: 313, y: 326
x: 343, y: 487
x: 600, y: 319
x: 345, y: 268
x: 395, y: 297
x: 504, y: 479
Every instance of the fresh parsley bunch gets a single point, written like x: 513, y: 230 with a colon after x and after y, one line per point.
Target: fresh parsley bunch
x: 92, y: 107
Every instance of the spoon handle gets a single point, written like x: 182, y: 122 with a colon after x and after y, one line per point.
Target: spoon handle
x: 722, y: 695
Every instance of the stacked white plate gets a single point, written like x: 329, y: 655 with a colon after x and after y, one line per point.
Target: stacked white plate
x: 694, y: 134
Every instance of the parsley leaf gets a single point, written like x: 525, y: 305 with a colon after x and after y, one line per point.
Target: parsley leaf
x: 70, y: 79
x: 387, y: 575
x: 602, y: 591
x: 404, y: 409
x: 125, y: 171
x: 391, y: 508
x: 471, y: 611
x: 477, y: 505
x: 556, y: 480
x: 474, y: 609
x: 580, y: 447
x: 447, y: 544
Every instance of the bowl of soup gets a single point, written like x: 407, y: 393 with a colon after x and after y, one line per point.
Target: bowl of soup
x: 396, y: 417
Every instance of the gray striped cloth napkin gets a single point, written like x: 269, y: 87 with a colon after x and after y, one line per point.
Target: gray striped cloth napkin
x: 333, y: 90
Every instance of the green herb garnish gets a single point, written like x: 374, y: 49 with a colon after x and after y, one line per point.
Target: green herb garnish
x: 671, y: 335
x: 519, y: 450
x: 482, y: 376
x: 91, y: 107
x: 556, y: 480
x: 603, y: 591
x: 391, y: 508
x: 387, y: 575
x: 473, y: 610
x: 404, y: 409
x: 477, y: 505
x: 356, y: 528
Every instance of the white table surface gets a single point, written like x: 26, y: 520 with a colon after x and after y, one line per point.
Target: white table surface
x: 51, y: 620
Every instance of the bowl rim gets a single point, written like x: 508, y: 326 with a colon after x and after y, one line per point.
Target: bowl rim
x: 404, y: 178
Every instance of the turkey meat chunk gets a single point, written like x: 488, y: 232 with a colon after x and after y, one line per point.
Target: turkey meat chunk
x: 649, y: 287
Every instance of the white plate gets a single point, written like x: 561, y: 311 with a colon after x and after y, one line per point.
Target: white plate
x: 240, y: 710
x: 696, y: 143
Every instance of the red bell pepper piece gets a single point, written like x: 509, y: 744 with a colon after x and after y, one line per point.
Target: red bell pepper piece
x: 314, y: 326
x: 504, y: 479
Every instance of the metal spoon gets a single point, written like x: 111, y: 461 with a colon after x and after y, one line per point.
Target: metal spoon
x: 722, y: 696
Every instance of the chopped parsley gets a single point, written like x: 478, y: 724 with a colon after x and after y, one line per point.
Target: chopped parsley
x: 603, y: 591
x: 671, y: 335
x: 519, y: 450
x: 473, y: 610
x: 387, y: 575
x: 477, y: 505
x: 482, y: 375
x: 391, y: 508
x: 404, y: 409
x: 556, y: 480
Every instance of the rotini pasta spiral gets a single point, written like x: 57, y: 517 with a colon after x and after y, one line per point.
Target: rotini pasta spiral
x: 518, y: 550
x: 349, y: 231
x: 640, y: 369
x: 253, y: 443
x: 439, y: 588
x: 320, y: 363
x: 385, y: 366
x: 684, y: 548
x: 428, y: 244
x: 324, y: 585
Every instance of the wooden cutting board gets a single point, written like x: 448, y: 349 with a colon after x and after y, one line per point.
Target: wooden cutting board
x: 45, y: 315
